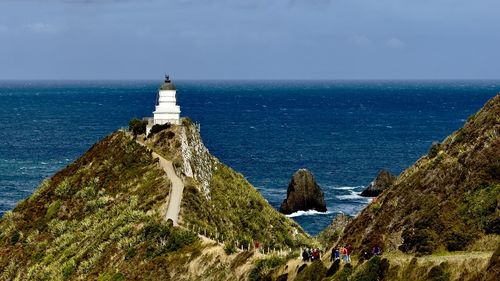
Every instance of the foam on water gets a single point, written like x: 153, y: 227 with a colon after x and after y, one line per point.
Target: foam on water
x: 308, y: 213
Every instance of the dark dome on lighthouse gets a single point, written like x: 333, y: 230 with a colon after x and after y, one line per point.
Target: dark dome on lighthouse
x: 167, y: 85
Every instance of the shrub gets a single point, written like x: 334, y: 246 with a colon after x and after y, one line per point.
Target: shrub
x: 374, y: 269
x: 158, y: 128
x: 344, y: 273
x: 69, y: 268
x: 422, y: 241
x: 315, y: 272
x: 457, y: 239
x: 15, y: 237
x: 439, y: 273
x: 263, y: 268
x: 52, y: 209
x: 229, y: 248
x: 137, y: 127
x: 434, y: 150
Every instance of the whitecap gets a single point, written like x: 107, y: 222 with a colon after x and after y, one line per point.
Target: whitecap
x: 352, y: 196
x: 308, y: 213
x: 346, y: 187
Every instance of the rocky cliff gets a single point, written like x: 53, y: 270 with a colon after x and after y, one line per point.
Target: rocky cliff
x: 303, y: 194
x: 448, y: 200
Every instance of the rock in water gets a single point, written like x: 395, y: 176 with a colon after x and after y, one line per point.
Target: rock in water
x: 303, y: 194
x: 383, y: 181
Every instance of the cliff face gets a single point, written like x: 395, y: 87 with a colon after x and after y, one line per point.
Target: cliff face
x: 103, y: 217
x: 448, y: 200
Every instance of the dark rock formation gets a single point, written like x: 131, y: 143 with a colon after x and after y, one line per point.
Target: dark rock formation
x: 383, y: 181
x: 303, y: 194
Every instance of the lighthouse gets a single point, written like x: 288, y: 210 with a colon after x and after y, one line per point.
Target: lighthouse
x: 166, y: 110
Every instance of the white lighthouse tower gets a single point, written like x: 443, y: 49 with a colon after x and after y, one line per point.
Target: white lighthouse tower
x: 166, y: 110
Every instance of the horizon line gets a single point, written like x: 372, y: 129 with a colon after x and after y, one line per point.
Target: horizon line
x: 249, y: 80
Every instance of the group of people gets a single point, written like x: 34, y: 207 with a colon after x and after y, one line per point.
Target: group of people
x: 342, y: 252
x: 311, y: 254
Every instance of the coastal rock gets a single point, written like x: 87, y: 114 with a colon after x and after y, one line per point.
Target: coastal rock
x: 303, y: 194
x: 383, y: 181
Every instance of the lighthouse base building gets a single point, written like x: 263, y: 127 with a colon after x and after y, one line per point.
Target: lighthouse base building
x: 166, y: 109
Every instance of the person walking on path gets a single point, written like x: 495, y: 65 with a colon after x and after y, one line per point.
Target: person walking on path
x: 343, y: 250
x: 305, y: 255
x: 335, y: 254
x: 348, y: 252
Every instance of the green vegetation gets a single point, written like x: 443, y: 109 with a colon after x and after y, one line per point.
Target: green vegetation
x: 373, y: 269
x: 96, y: 219
x: 236, y: 210
x: 264, y: 268
x: 158, y: 128
x: 344, y: 273
x: 446, y: 201
x: 316, y: 271
x: 137, y: 127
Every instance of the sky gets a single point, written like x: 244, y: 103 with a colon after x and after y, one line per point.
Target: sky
x: 249, y: 39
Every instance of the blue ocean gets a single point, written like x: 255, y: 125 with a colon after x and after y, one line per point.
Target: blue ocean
x: 344, y: 132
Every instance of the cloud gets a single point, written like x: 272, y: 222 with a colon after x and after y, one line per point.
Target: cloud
x: 40, y: 27
x: 360, y: 40
x: 395, y: 43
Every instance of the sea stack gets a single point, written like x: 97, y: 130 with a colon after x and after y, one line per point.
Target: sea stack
x: 382, y: 182
x: 303, y: 194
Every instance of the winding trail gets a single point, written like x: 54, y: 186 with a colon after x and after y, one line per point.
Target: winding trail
x: 174, y: 204
x: 175, y: 196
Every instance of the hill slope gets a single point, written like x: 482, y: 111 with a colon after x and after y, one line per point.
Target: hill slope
x: 102, y: 217
x: 448, y: 200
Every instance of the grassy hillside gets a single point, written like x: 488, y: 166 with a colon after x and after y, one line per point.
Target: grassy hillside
x: 448, y: 200
x: 102, y: 217
x: 219, y: 200
x: 99, y: 218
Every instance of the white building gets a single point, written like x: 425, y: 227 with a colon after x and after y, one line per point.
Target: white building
x: 166, y: 109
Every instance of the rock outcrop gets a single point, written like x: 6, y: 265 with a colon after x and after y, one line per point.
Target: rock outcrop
x: 303, y: 194
x: 382, y: 182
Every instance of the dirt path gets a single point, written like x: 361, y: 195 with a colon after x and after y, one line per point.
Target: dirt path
x: 175, y: 197
x: 174, y: 204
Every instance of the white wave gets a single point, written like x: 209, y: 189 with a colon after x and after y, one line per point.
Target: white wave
x: 352, y: 196
x: 308, y: 213
x: 346, y: 187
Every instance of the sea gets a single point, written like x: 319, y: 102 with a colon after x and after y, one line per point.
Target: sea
x: 344, y: 132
